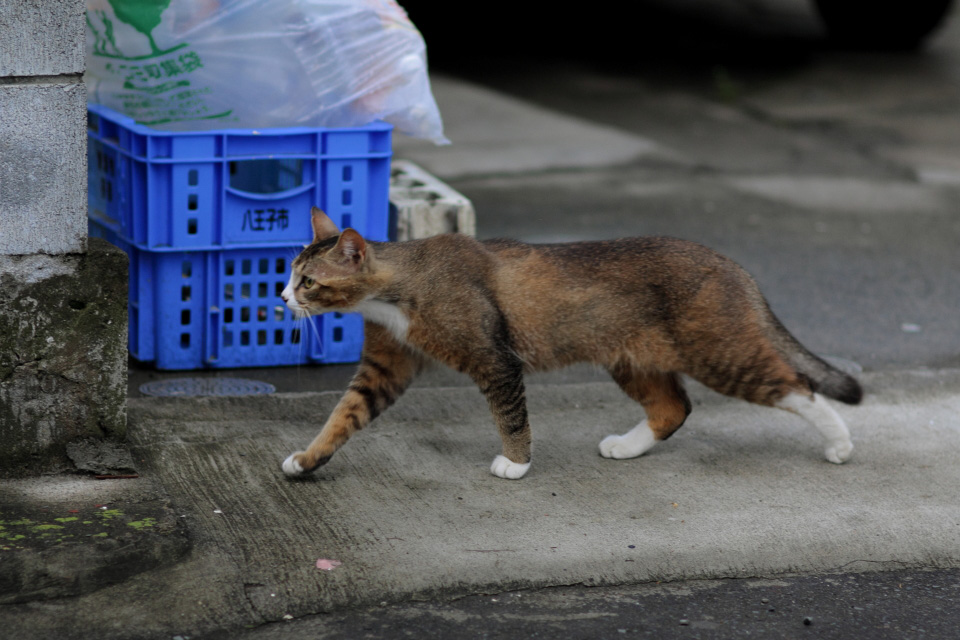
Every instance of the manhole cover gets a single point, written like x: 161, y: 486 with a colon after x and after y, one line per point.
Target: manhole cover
x: 188, y: 387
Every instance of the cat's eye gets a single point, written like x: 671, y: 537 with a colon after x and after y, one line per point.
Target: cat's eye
x: 307, y: 282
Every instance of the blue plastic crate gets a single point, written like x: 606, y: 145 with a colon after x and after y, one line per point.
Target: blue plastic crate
x: 222, y: 308
x: 206, y: 190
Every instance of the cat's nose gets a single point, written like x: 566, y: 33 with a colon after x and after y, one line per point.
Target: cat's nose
x: 284, y: 296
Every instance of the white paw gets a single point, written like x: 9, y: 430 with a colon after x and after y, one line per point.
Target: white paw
x: 615, y: 447
x: 503, y: 467
x: 839, y: 452
x: 291, y: 467
x: 637, y: 441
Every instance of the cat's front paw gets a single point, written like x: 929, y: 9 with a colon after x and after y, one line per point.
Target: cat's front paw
x: 292, y: 466
x: 839, y: 452
x: 504, y: 467
x: 298, y: 464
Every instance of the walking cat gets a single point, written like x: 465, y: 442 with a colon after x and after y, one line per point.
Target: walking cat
x: 645, y: 309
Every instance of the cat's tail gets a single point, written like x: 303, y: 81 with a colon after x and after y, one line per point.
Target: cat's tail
x: 827, y: 379
x: 824, y: 378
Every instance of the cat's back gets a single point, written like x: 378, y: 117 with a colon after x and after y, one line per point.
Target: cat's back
x: 568, y: 270
x: 450, y: 256
x: 579, y: 301
x: 649, y: 251
x: 654, y: 259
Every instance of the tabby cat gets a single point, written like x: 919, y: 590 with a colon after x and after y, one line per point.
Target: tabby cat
x: 645, y: 309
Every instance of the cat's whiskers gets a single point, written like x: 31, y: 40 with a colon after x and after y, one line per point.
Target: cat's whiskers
x: 299, y: 320
x: 313, y: 327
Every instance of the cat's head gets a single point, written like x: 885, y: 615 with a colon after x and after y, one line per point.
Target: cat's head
x: 333, y: 273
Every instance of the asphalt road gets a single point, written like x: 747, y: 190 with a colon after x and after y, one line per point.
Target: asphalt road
x: 895, y: 604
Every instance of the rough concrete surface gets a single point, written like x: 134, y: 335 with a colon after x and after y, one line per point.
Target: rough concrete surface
x: 63, y: 335
x: 43, y: 168
x: 42, y: 38
x: 69, y: 535
x: 101, y: 457
x: 411, y: 511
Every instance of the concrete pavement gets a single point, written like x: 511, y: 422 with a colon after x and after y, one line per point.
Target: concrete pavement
x: 411, y: 511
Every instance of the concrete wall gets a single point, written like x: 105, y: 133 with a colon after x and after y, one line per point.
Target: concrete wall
x: 62, y: 307
x: 42, y: 38
x: 43, y: 168
x: 42, y: 131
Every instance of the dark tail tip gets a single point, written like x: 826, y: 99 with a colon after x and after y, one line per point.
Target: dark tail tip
x: 845, y: 389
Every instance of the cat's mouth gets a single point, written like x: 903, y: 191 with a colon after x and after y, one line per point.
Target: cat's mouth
x: 298, y: 311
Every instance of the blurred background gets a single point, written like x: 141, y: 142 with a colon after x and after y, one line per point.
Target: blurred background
x: 822, y: 155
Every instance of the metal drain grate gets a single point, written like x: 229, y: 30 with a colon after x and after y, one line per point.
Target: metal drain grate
x: 191, y: 387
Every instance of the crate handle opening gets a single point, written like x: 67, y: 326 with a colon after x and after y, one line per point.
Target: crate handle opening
x: 266, y: 177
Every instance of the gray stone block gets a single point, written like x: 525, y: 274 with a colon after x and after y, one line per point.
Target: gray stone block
x: 63, y: 355
x: 425, y: 206
x: 42, y: 38
x: 43, y: 168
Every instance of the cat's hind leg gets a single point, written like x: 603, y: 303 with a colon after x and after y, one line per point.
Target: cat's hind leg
x: 815, y: 409
x: 768, y: 379
x: 665, y: 401
x: 763, y: 376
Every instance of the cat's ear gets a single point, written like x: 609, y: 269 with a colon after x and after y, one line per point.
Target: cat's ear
x: 323, y: 226
x: 352, y: 247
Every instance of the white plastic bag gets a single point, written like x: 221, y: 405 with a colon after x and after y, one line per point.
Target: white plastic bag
x: 214, y: 64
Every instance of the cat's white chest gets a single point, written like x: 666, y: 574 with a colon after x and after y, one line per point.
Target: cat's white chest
x: 386, y: 315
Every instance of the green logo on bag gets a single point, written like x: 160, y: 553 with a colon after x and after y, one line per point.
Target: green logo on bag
x: 163, y: 91
x: 142, y: 15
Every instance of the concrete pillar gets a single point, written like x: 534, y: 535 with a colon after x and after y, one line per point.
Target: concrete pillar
x: 62, y: 308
